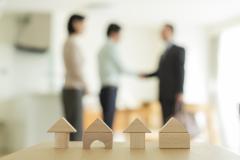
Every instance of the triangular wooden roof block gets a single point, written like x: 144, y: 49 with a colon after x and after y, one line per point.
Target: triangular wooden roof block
x: 62, y: 126
x: 174, y: 126
x: 137, y: 127
x: 98, y: 126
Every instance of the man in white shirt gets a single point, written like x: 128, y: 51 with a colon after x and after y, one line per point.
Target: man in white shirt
x: 110, y: 72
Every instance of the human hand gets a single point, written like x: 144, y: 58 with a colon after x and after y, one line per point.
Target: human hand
x: 86, y: 90
x: 179, y: 98
x: 141, y: 75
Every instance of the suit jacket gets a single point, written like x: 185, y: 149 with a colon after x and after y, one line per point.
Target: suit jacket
x: 170, y: 72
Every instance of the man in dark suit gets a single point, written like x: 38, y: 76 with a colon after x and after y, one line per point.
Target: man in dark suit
x: 170, y: 72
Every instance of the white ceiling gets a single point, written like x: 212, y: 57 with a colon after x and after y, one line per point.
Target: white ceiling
x: 201, y: 12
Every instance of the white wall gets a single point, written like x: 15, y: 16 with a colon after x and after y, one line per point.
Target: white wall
x: 228, y: 87
x: 20, y: 71
x: 194, y: 39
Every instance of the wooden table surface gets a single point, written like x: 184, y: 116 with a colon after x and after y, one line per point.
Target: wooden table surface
x: 121, y: 151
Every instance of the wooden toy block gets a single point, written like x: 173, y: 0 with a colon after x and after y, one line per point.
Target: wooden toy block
x: 62, y: 128
x: 137, y: 141
x: 174, y: 140
x: 174, y: 135
x: 61, y: 140
x: 137, y: 132
x: 173, y: 125
x: 98, y: 130
x: 89, y: 138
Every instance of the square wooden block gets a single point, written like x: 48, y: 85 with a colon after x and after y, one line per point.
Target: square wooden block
x: 174, y: 140
x: 137, y: 140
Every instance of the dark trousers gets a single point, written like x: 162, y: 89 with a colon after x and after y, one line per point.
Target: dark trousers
x: 72, y: 106
x: 168, y: 108
x: 108, y: 97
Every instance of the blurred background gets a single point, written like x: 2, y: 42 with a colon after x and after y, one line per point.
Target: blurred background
x: 32, y: 34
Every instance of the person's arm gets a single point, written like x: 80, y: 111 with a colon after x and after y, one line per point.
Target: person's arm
x: 117, y: 62
x: 180, y: 60
x: 153, y: 74
x: 76, y: 63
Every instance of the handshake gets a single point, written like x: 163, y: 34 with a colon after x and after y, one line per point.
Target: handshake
x: 141, y: 75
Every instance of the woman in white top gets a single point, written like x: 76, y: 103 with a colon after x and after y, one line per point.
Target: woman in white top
x: 74, y: 85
